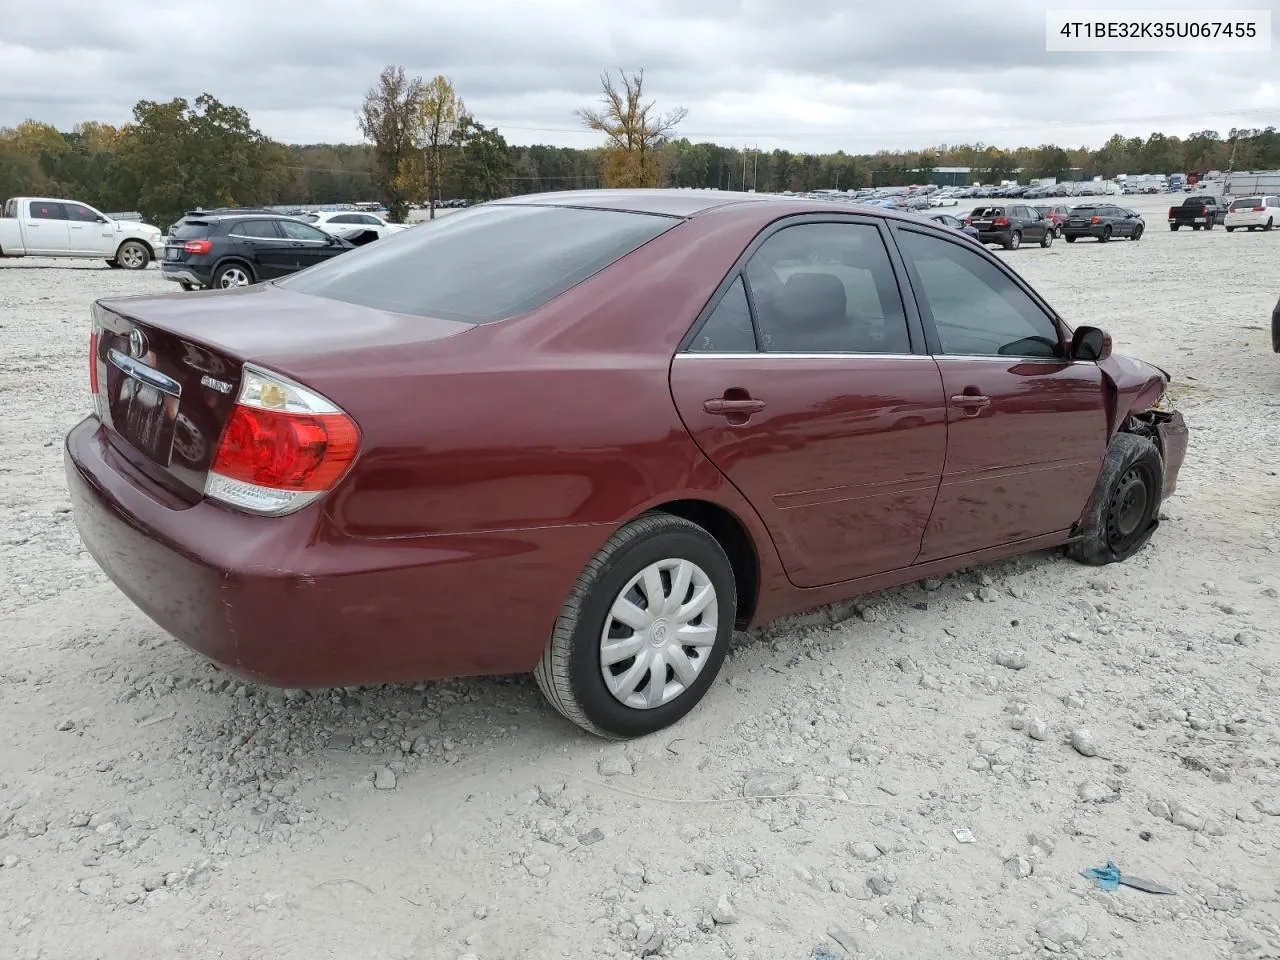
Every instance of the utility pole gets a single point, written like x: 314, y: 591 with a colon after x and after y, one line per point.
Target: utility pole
x: 755, y: 168
x: 744, y: 169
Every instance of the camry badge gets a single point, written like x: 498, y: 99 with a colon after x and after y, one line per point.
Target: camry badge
x: 220, y: 385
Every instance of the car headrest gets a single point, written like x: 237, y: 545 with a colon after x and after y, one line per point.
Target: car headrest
x: 812, y: 298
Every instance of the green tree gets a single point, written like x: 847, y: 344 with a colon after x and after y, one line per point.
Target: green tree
x: 179, y: 155
x: 633, y: 132
x: 389, y: 119
x: 482, y: 161
x: 440, y: 112
x: 1050, y: 161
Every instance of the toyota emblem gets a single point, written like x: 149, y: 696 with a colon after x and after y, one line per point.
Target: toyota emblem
x: 137, y: 344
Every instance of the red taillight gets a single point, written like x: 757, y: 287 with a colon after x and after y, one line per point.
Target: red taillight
x: 1095, y: 220
x: 198, y: 246
x: 1259, y: 209
x: 1000, y: 222
x: 93, y: 362
x: 286, y: 451
x: 968, y: 222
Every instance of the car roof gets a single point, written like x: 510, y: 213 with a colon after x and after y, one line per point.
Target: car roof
x: 697, y: 203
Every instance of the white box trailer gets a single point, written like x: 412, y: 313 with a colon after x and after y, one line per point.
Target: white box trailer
x: 1250, y: 182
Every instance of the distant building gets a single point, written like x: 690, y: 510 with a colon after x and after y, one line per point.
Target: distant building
x: 951, y: 176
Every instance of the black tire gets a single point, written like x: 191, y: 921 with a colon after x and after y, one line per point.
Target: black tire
x: 1047, y: 239
x: 1174, y: 227
x: 1057, y: 231
x: 1071, y: 239
x: 223, y: 276
x: 133, y: 255
x: 1231, y: 229
x: 1124, y: 509
x: 1106, y: 235
x: 1195, y: 226
x: 570, y: 673
x: 1015, y: 240
x: 1210, y: 225
x: 1269, y: 224
x: 113, y: 265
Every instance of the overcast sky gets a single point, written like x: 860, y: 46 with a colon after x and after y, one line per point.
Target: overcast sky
x: 804, y: 75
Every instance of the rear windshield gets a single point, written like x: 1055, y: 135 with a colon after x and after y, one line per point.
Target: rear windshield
x: 186, y: 229
x: 988, y: 212
x: 1196, y: 201
x: 1084, y: 211
x: 484, y: 264
x: 1244, y: 203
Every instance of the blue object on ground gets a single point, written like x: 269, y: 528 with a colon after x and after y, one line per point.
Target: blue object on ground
x: 1108, y: 877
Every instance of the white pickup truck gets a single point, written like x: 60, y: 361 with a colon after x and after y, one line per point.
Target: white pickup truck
x: 44, y: 227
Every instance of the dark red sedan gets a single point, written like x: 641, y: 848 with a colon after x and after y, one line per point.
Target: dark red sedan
x: 586, y: 434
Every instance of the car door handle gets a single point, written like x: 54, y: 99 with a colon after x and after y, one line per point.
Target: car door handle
x: 971, y: 401
x: 732, y: 407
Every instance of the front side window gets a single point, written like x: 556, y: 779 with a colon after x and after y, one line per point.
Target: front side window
x: 827, y: 288
x: 80, y: 213
x: 301, y: 231
x: 976, y: 308
x: 485, y: 264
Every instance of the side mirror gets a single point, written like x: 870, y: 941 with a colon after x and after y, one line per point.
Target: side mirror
x: 100, y: 219
x: 1090, y: 343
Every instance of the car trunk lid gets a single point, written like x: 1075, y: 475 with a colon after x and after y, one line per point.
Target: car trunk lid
x: 168, y: 368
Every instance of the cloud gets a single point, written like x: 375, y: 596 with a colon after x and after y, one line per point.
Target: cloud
x: 813, y: 75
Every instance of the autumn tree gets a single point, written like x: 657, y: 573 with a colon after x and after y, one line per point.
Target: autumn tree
x: 633, y: 131
x: 440, y: 112
x: 390, y: 119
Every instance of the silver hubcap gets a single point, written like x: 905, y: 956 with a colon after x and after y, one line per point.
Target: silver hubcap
x: 235, y: 277
x: 659, y: 634
x: 132, y: 257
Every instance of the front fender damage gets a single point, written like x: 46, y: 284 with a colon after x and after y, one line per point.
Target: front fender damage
x: 1136, y: 390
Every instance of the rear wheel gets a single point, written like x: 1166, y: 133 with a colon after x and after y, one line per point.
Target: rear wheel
x: 1057, y: 231
x: 1106, y: 234
x: 1270, y: 223
x: 1209, y: 225
x: 1015, y: 241
x: 1195, y: 226
x: 1124, y: 508
x: 1071, y: 239
x: 644, y: 630
x: 232, y: 275
x: 1231, y: 229
x: 132, y: 255
x: 1173, y: 227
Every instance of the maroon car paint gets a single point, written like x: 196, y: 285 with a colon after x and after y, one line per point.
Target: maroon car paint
x: 496, y: 460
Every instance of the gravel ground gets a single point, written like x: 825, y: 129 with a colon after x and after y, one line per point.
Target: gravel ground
x: 1065, y: 716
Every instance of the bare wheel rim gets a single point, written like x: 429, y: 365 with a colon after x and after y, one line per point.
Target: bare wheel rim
x: 132, y: 256
x: 233, y: 277
x: 659, y: 633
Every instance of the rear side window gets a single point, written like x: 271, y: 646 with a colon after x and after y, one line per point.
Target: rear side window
x: 44, y: 210
x: 262, y: 229
x: 485, y: 264
x: 728, y: 329
x: 827, y: 288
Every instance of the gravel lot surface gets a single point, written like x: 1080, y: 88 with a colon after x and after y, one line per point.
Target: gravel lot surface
x: 1066, y: 716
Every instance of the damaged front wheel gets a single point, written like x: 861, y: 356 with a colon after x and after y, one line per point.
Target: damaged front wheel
x: 1124, y: 509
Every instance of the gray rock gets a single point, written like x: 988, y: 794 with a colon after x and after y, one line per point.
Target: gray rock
x: 67, y: 725
x: 1019, y: 867
x: 384, y: 779
x: 1183, y: 813
x: 844, y: 939
x: 95, y: 886
x: 594, y: 835
x: 1248, y: 815
x: 1013, y: 659
x: 1063, y: 927
x: 615, y: 765
x: 1270, y: 806
x: 879, y: 886
x: 931, y: 584
x: 653, y: 945
x: 763, y: 783
x: 987, y: 595
x: 723, y: 912
x: 865, y: 851
x: 924, y: 914
x: 1095, y: 793
x: 1160, y: 809
x: 822, y: 953
x: 988, y: 748
x: 1038, y: 730
x: 1083, y: 742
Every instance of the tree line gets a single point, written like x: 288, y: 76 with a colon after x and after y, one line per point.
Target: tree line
x: 423, y: 145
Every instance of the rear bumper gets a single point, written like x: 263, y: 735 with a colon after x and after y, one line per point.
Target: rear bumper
x: 1092, y: 230
x: 1173, y: 448
x: 185, y: 273
x: 289, y: 601
x: 995, y: 236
